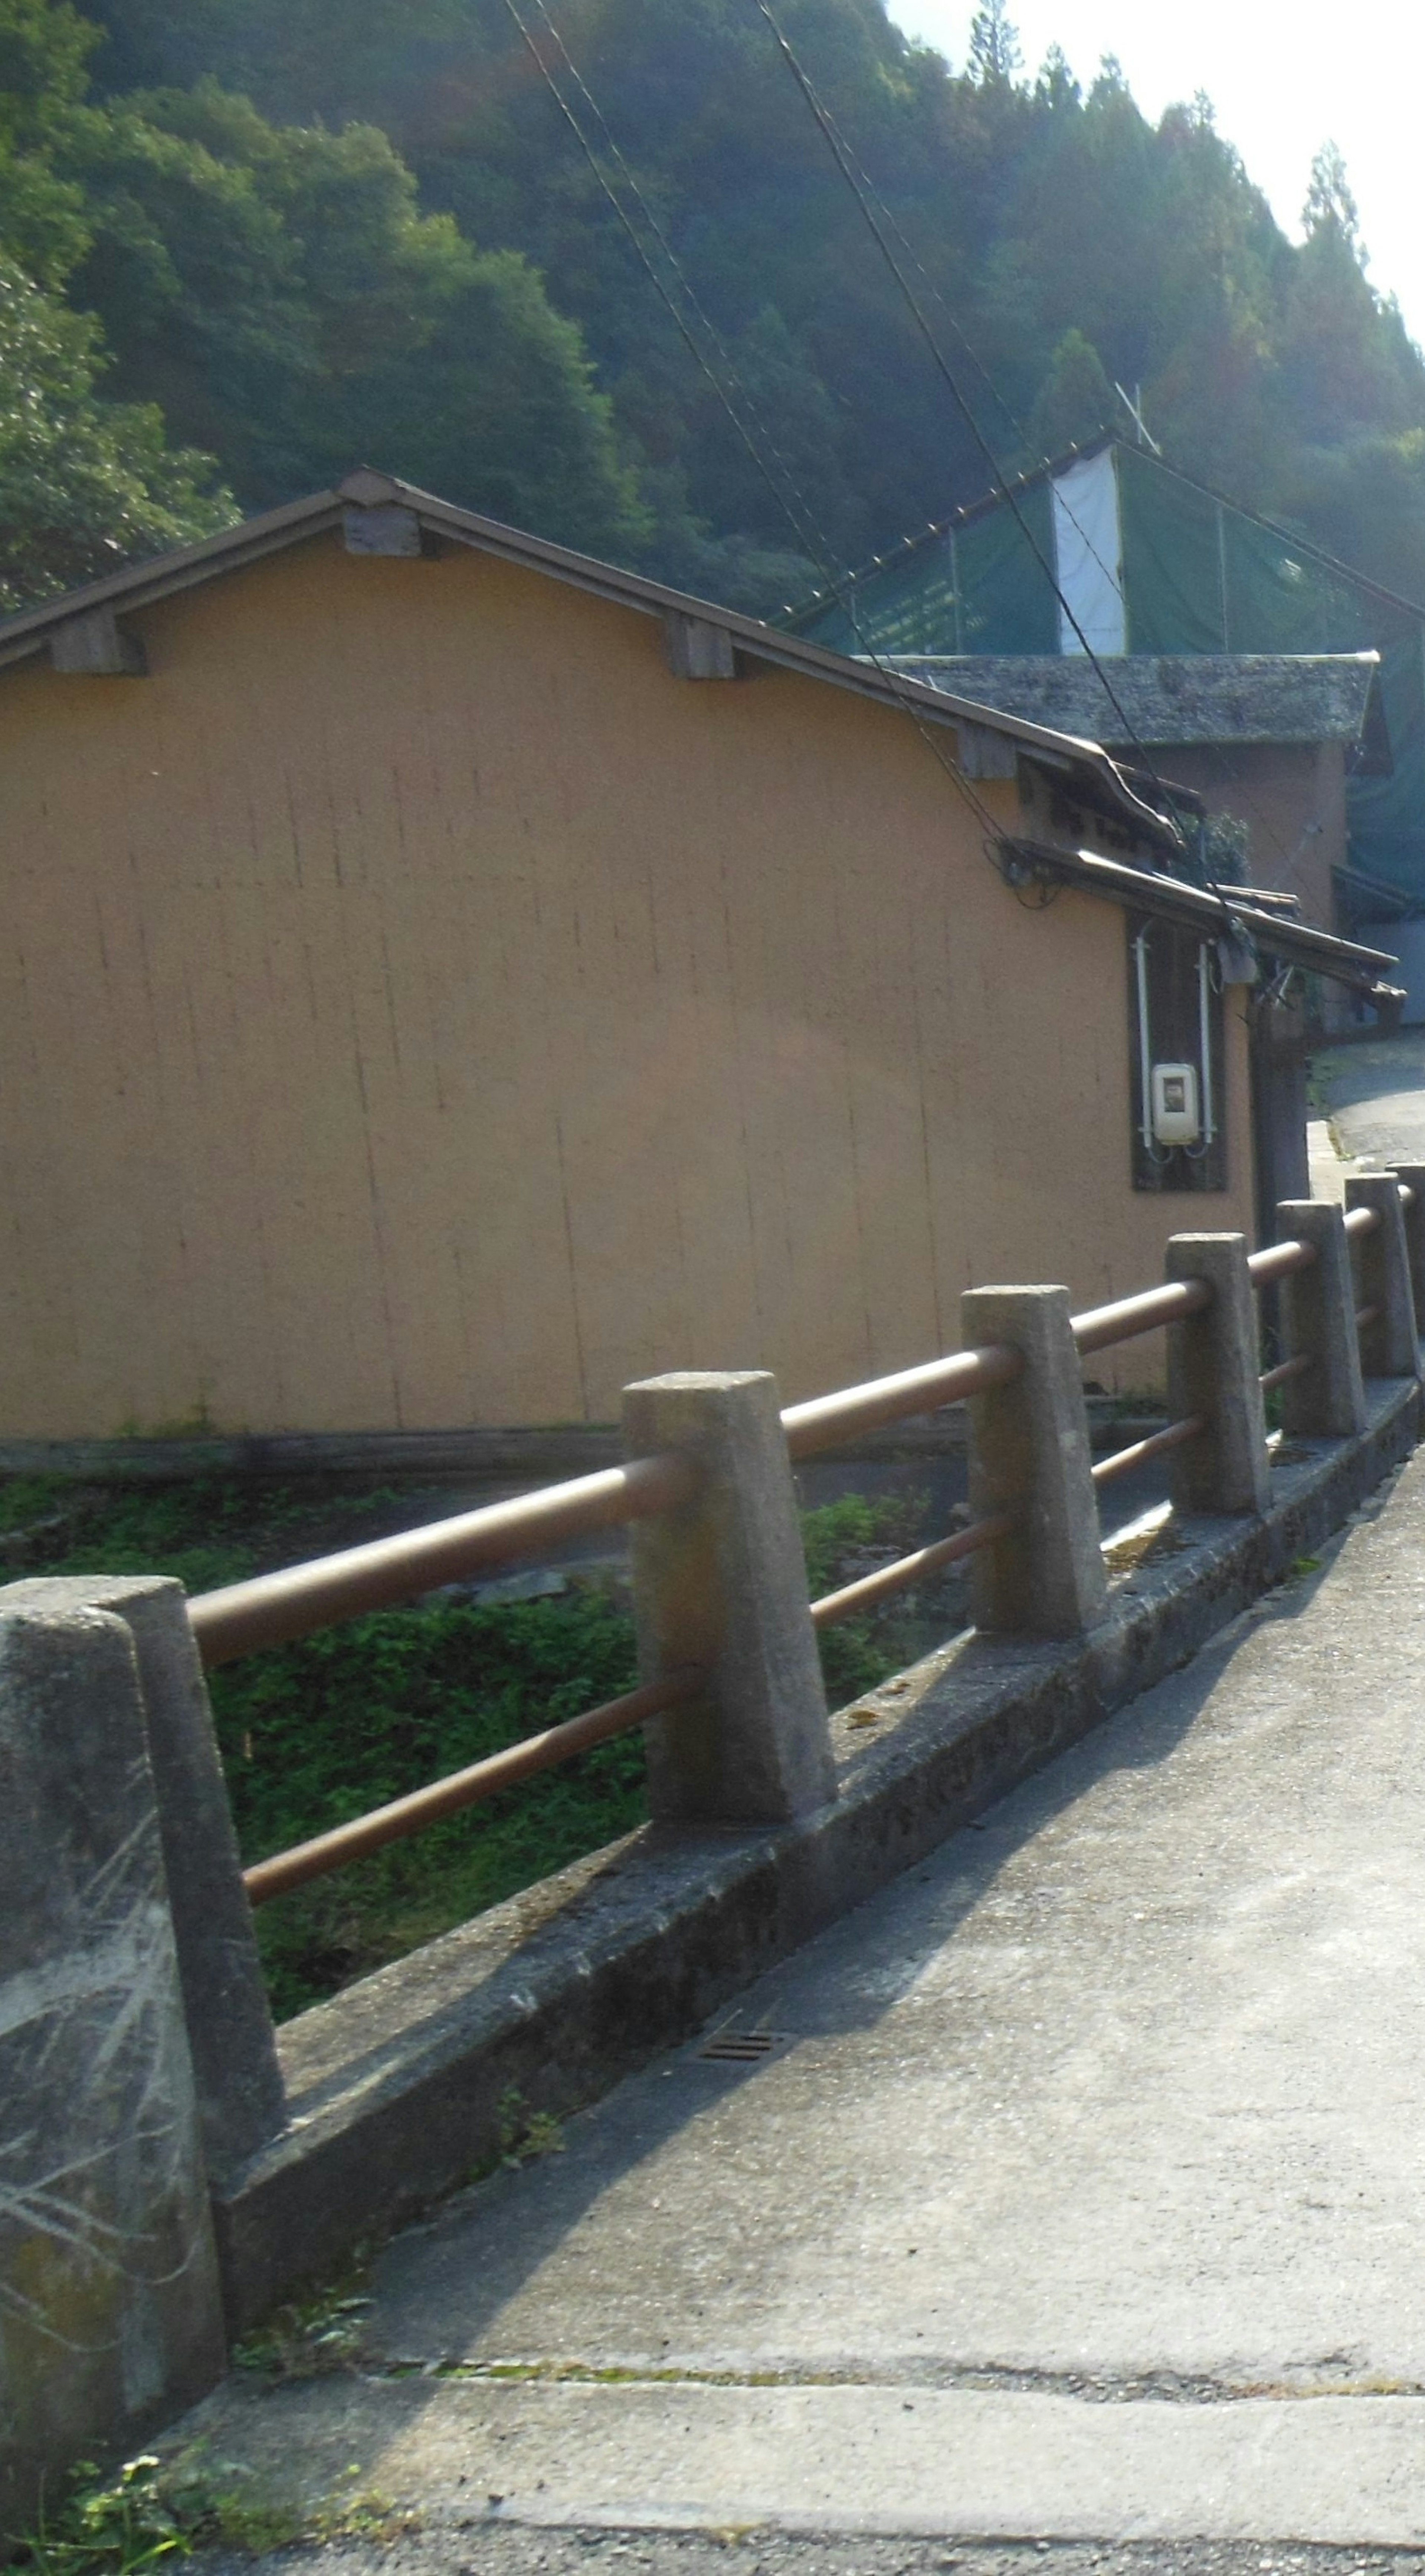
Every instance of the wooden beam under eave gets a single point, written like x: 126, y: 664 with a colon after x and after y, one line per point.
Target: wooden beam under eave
x: 697, y: 649
x: 96, y: 646
x: 382, y: 531
x: 986, y: 753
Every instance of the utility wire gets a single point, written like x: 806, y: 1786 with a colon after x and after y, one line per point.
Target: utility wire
x: 787, y: 507
x: 755, y: 417
x: 1289, y: 859
x: 807, y: 534
x: 864, y: 188
x: 1110, y: 575
x: 1000, y: 486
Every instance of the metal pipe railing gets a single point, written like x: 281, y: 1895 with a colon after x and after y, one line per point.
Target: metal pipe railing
x: 502, y: 1770
x: 825, y: 1420
x: 274, y: 1609
x: 908, y: 1570
x: 1278, y: 1261
x: 1119, y: 1462
x: 1284, y: 1370
x: 1148, y: 1312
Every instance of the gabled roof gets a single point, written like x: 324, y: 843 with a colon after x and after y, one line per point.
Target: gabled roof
x: 1179, y: 697
x: 1097, y: 780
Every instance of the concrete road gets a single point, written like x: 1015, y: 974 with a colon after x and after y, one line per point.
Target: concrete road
x: 1077, y: 2195
x: 1374, y: 1096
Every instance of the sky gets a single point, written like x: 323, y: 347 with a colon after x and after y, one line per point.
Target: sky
x: 1283, y: 76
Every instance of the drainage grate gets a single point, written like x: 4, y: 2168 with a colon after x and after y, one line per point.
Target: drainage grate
x: 741, y: 2047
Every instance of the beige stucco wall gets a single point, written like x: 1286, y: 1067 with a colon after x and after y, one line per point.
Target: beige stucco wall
x: 419, y: 1009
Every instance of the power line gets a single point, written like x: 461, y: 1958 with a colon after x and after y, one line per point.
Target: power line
x: 806, y: 531
x: 788, y: 508
x: 1003, y: 490
x: 689, y: 291
x: 843, y: 163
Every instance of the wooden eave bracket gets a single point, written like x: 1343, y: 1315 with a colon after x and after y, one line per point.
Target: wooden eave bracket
x: 97, y: 647
x: 697, y: 649
x: 383, y: 529
x: 987, y: 753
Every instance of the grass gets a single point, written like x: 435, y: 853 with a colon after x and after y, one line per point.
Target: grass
x: 150, y: 2510
x: 317, y: 1732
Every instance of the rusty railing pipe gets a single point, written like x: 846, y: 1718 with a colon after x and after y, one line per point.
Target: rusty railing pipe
x: 1278, y: 1261
x: 1102, y: 1326
x: 907, y: 1570
x: 480, y: 1780
x: 271, y: 1609
x: 1137, y: 1454
x: 823, y: 1420
x: 1284, y: 1370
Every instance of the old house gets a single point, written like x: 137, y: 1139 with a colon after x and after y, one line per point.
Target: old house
x: 447, y: 977
x: 1113, y: 551
x: 1273, y: 739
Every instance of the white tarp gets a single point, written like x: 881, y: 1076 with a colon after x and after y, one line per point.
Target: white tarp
x: 1089, y: 555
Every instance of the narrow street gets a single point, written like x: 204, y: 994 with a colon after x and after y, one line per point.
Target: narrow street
x: 1069, y: 2189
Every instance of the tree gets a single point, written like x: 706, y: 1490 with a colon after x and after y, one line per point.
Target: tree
x: 1075, y: 399
x: 1347, y: 363
x: 84, y: 485
x: 499, y: 411
x: 995, y: 55
x: 1330, y: 206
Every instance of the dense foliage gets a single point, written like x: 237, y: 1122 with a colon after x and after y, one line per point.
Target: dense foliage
x: 314, y: 1733
x: 311, y: 234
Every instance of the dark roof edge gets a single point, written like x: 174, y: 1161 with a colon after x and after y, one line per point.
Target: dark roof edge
x: 137, y: 586
x: 1138, y: 889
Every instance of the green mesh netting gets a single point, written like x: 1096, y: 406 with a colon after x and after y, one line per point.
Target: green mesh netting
x: 1198, y: 577
x: 978, y: 589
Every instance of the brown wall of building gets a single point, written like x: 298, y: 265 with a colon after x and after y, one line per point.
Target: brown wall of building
x: 1280, y: 791
x: 421, y: 1009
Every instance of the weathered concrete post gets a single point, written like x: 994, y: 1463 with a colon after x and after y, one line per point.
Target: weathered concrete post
x: 1214, y: 1370
x: 1030, y: 1455
x: 1388, y: 1344
x: 1412, y: 1177
x: 110, y: 2313
x: 230, y: 2034
x: 1318, y: 1310
x: 722, y: 1583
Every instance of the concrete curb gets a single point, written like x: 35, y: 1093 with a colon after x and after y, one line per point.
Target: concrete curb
x: 394, y: 2086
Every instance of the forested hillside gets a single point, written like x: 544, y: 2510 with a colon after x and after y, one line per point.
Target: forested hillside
x: 247, y: 243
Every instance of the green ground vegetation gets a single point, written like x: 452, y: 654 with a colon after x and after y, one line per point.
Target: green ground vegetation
x: 317, y: 1732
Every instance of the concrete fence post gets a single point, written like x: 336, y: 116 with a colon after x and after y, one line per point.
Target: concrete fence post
x: 722, y: 1583
x: 1412, y: 1175
x: 1388, y: 1343
x: 1214, y: 1369
x: 1030, y: 1455
x: 110, y: 2309
x: 1318, y: 1313
x: 230, y: 2035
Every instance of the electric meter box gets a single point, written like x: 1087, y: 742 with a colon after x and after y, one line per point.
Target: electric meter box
x: 1177, y: 1115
